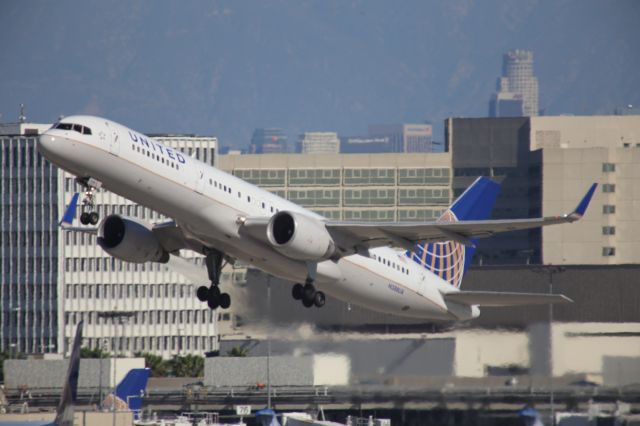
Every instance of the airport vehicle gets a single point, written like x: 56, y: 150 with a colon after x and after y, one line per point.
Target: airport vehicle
x: 225, y: 218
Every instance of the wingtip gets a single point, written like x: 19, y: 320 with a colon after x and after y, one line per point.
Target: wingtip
x: 584, y: 203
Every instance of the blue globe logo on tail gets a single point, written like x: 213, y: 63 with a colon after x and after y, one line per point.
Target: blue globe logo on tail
x: 449, y: 259
x: 445, y: 259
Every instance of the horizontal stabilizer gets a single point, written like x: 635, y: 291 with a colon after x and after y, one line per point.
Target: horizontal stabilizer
x: 494, y: 298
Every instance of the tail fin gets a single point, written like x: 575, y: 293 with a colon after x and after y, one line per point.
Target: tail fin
x: 450, y: 259
x: 130, y: 390
x: 70, y: 212
x: 64, y: 412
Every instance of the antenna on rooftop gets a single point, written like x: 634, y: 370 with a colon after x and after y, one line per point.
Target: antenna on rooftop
x: 22, y: 118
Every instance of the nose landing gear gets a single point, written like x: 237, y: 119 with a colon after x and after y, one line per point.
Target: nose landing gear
x: 88, y: 216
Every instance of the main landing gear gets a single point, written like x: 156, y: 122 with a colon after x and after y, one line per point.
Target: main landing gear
x: 212, y: 295
x: 307, y: 293
x: 88, y: 216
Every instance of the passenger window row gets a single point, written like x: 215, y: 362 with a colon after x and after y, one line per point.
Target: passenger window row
x: 74, y: 127
x: 153, y: 156
x: 391, y: 264
x: 228, y: 189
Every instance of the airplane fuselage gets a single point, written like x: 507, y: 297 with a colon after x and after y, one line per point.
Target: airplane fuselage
x: 210, y: 205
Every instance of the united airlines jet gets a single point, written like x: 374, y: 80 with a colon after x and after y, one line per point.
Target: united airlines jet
x: 404, y: 268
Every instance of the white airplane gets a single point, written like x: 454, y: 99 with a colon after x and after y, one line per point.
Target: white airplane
x: 403, y: 268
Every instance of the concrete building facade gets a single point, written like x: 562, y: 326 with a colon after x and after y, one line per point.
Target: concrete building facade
x: 374, y: 187
x: 578, y: 151
x: 29, y: 249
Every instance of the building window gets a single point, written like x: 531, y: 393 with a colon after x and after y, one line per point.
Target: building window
x: 608, y: 209
x: 608, y: 167
x: 608, y: 230
x: 608, y: 251
x: 609, y: 187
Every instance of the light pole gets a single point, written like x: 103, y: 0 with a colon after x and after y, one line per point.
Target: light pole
x: 550, y: 271
x: 269, y: 341
x: 122, y: 317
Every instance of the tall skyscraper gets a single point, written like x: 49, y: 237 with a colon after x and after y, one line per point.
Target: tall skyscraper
x: 516, y: 87
x: 29, y: 272
x: 268, y: 141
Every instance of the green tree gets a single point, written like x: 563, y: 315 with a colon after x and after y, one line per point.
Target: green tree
x: 93, y: 353
x: 238, y: 351
x: 159, y: 367
x: 187, y: 366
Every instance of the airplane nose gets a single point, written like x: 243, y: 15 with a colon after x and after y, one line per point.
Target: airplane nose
x: 46, y: 143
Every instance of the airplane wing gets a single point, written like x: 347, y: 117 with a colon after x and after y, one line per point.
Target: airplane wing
x: 407, y: 234
x: 503, y: 299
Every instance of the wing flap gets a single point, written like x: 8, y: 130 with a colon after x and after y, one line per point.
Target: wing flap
x: 503, y: 299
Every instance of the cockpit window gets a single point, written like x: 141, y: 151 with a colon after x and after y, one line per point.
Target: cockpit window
x: 75, y: 127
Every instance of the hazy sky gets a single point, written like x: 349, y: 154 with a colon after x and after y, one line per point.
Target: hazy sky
x: 224, y: 67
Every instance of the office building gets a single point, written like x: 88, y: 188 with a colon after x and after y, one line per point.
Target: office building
x: 578, y: 151
x: 166, y: 317
x: 319, y: 143
x: 268, y: 141
x: 545, y: 164
x: 389, y: 187
x: 405, y: 137
x: 506, y: 104
x: 499, y: 148
x: 29, y: 259
x: 517, y: 84
x: 365, y: 145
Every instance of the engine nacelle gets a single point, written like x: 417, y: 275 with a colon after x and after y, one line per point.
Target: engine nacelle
x: 130, y: 240
x: 300, y: 237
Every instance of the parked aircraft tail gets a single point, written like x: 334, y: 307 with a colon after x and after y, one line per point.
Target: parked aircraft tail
x: 129, y: 391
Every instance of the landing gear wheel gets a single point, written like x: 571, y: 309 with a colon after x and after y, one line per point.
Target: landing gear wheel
x: 225, y: 300
x: 319, y: 299
x: 94, y: 218
x: 308, y: 291
x: 202, y: 293
x: 84, y: 218
x: 297, y: 291
x: 307, y: 303
x: 213, y: 301
x: 215, y: 290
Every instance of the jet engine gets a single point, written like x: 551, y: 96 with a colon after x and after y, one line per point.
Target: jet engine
x: 130, y: 240
x: 300, y: 237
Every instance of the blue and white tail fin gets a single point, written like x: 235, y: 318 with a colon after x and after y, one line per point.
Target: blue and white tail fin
x: 450, y: 259
x: 130, y: 390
